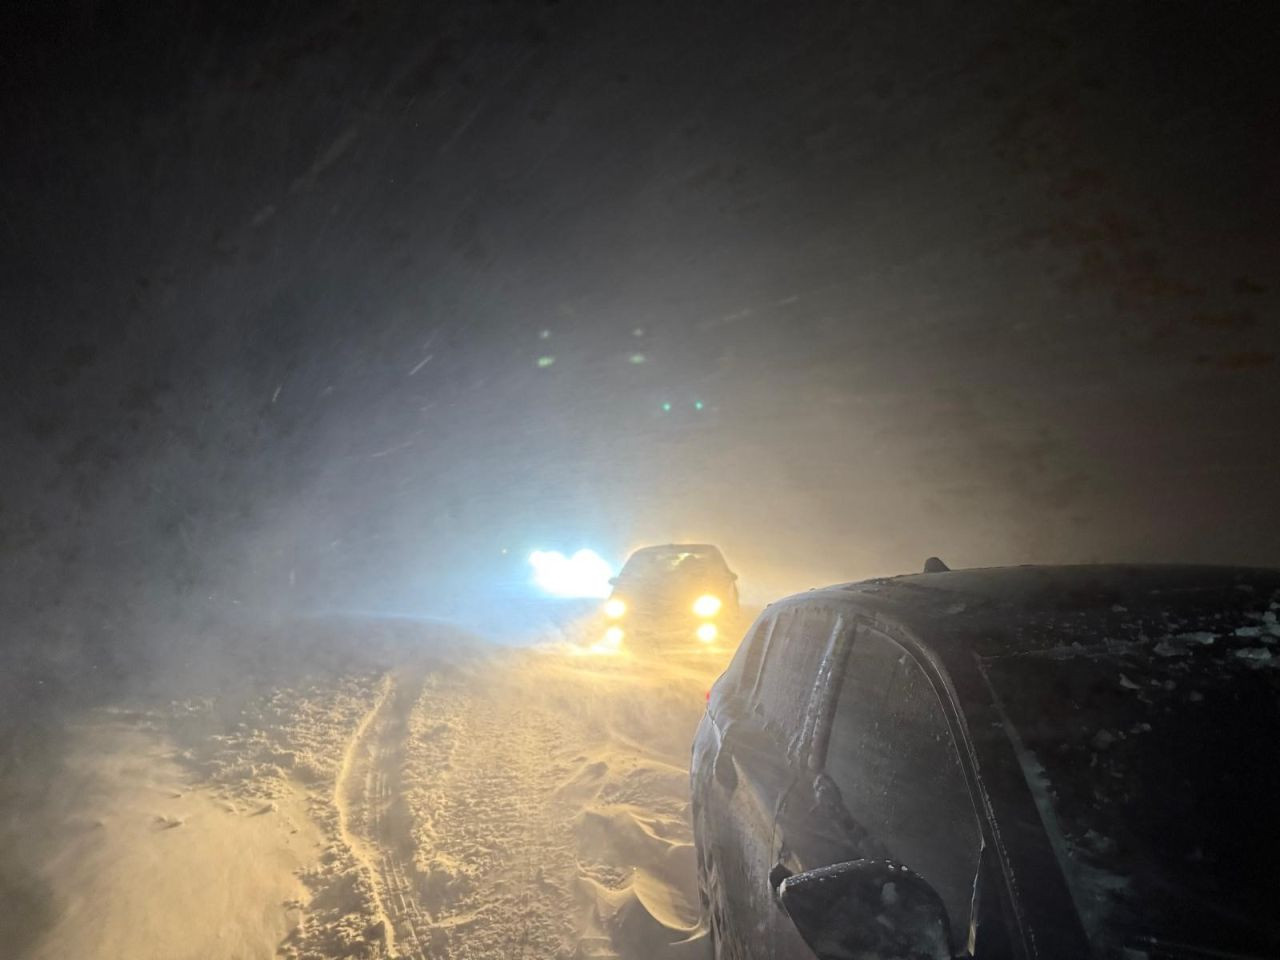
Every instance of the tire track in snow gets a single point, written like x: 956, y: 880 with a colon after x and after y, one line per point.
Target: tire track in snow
x: 350, y: 799
x: 375, y: 819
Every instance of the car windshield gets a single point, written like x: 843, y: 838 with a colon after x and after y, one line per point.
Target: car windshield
x: 1154, y: 767
x: 678, y: 562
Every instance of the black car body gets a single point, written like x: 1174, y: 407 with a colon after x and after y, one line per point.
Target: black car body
x: 674, y: 591
x: 1073, y: 762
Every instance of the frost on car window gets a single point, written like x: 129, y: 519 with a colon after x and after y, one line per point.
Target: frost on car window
x: 792, y: 663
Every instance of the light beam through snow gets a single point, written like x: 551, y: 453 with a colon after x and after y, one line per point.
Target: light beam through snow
x: 585, y: 574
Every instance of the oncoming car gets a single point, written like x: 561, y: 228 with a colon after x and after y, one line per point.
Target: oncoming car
x: 1029, y: 762
x: 679, y: 591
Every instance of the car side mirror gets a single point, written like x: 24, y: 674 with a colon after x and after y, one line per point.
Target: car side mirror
x: 613, y: 581
x: 867, y: 908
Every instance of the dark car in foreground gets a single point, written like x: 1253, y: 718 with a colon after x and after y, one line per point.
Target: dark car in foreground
x: 1056, y: 762
x: 673, y: 592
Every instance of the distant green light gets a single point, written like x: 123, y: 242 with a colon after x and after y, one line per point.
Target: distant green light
x: 546, y: 361
x: 697, y: 404
x: 666, y: 408
x: 637, y: 358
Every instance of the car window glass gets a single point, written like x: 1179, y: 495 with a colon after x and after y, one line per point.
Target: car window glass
x: 740, y: 673
x: 746, y: 662
x: 754, y: 680
x: 673, y: 562
x: 792, y: 661
x: 893, y: 759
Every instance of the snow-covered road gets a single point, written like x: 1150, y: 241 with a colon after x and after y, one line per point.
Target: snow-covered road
x: 468, y: 803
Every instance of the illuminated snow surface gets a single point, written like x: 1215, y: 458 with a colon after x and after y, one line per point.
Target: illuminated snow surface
x: 446, y: 802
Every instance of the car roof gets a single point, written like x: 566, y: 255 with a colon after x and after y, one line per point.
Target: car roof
x: 1009, y: 610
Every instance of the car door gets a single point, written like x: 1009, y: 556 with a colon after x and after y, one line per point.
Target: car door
x: 742, y: 787
x: 885, y: 781
x: 810, y: 828
x: 758, y: 762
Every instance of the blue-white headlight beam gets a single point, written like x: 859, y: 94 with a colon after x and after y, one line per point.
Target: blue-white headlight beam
x: 585, y: 574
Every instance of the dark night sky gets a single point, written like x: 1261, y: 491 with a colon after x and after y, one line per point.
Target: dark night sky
x: 996, y: 282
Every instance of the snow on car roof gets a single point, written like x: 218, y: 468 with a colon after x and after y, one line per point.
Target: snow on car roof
x: 1023, y: 609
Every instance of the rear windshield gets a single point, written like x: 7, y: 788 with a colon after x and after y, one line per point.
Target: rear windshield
x: 1154, y: 763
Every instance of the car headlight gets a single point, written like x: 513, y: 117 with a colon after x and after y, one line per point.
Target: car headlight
x: 614, y: 608
x: 707, y: 632
x: 707, y: 605
x: 613, y: 637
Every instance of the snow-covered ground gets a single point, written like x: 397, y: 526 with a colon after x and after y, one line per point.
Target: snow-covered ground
x: 439, y: 802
